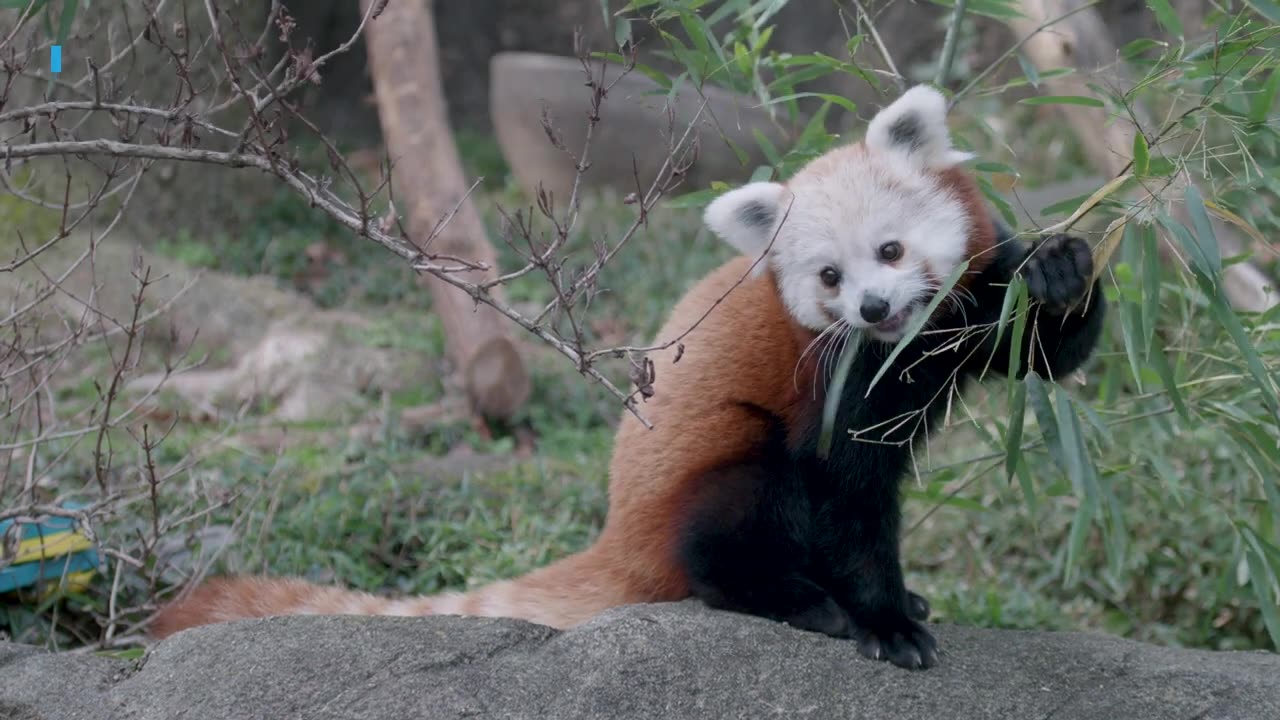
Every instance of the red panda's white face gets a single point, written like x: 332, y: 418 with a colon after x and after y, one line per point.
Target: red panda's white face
x: 865, y: 234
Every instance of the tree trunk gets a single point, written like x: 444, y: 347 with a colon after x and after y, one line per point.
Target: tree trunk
x: 1082, y: 41
x: 405, y: 65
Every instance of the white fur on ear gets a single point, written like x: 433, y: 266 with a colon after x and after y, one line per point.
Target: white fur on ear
x: 745, y: 217
x: 915, y: 127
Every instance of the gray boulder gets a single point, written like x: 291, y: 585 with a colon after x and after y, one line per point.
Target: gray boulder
x: 655, y: 661
x: 634, y: 133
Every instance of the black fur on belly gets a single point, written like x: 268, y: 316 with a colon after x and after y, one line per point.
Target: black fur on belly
x: 814, y: 542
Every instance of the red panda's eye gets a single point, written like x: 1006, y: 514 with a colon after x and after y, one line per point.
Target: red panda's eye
x: 829, y: 276
x: 891, y: 251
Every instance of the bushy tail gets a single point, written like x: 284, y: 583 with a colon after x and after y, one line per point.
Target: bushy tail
x: 560, y: 595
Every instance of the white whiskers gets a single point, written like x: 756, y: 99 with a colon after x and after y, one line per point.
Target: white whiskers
x: 833, y: 336
x: 833, y: 350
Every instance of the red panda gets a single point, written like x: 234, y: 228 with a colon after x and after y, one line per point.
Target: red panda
x: 727, y: 498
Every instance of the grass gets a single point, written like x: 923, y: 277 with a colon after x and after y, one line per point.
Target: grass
x: 411, y: 512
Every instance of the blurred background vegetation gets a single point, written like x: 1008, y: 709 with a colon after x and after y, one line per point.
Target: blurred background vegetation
x: 1143, y: 502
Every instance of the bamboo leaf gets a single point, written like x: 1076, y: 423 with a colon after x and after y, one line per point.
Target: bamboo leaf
x: 696, y: 199
x: 1261, y: 103
x: 1028, y: 487
x: 1080, y: 524
x: 1017, y: 286
x: 1227, y: 316
x: 1201, y: 261
x: 1068, y: 440
x: 995, y: 9
x: 1093, y: 200
x: 1262, y: 578
x: 767, y: 147
x: 994, y: 167
x: 662, y: 79
x: 994, y: 197
x: 1114, y: 532
x: 1235, y: 219
x: 1048, y: 422
x: 695, y: 27
x: 1137, y: 47
x: 1268, y: 9
x: 1083, y: 477
x: 1166, y: 16
x: 1131, y: 334
x: 622, y: 32
x: 831, y: 403
x: 1064, y: 206
x: 1020, y: 318
x: 1204, y: 229
x: 1150, y: 284
x: 843, y: 102
x: 1063, y: 100
x: 1141, y: 155
x: 1013, y: 439
x: 1110, y: 241
x: 1161, y: 363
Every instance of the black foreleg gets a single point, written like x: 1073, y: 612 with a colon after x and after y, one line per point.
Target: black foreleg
x: 863, y: 569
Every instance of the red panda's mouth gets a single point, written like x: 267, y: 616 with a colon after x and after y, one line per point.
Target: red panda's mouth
x: 896, y: 322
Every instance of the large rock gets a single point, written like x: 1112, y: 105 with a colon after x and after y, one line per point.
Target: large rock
x: 656, y: 661
x: 634, y: 133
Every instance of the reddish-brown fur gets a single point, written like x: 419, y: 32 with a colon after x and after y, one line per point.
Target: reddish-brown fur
x: 982, y: 237
x: 707, y: 413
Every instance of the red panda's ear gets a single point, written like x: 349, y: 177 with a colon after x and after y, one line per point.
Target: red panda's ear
x: 914, y: 127
x: 746, y: 217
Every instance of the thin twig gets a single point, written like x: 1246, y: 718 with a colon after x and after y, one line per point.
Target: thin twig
x: 949, y: 45
x: 865, y: 19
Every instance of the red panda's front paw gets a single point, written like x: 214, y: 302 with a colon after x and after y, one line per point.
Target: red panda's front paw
x: 1058, y: 272
x: 903, y: 642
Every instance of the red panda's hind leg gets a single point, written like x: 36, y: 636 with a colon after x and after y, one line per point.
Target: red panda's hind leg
x: 743, y: 549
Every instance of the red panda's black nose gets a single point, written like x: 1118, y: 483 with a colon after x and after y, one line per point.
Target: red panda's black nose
x: 874, y: 309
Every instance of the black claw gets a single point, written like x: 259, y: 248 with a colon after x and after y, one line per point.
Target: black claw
x: 904, y: 654
x: 869, y: 646
x: 904, y: 643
